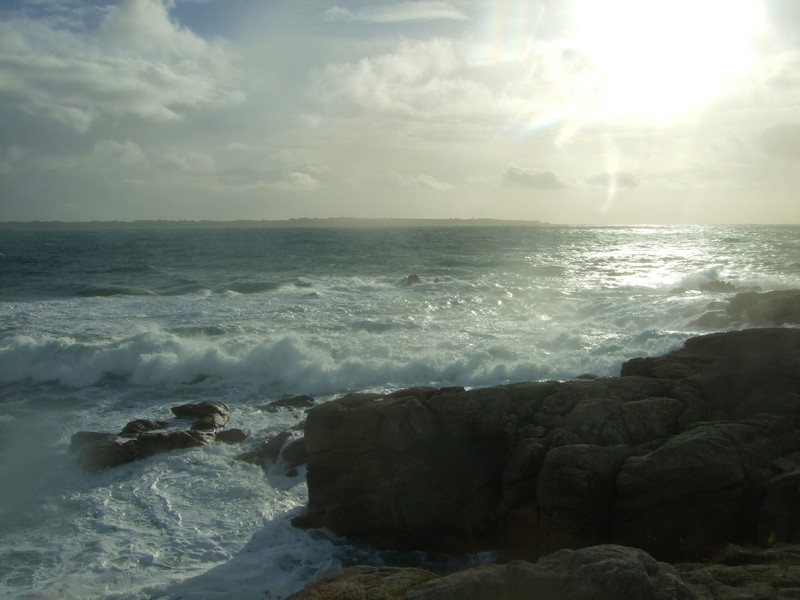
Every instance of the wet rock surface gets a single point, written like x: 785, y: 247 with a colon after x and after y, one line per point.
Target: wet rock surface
x: 97, y: 451
x: 679, y: 456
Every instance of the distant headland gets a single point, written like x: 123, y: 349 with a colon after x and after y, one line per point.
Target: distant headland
x: 353, y: 222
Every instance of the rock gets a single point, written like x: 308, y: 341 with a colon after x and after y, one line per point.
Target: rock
x: 85, y: 439
x: 606, y: 572
x: 411, y: 279
x: 294, y: 453
x: 268, y: 450
x: 104, y: 455
x: 770, y: 309
x: 749, y: 573
x: 774, y: 308
x: 678, y: 457
x: 155, y: 443
x: 100, y: 451
x: 598, y: 573
x: 139, y: 426
x: 296, y: 402
x: 232, y: 436
x: 208, y: 415
x: 363, y: 582
x: 695, y: 493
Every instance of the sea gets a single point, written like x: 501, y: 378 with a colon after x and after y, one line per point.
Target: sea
x: 102, y: 326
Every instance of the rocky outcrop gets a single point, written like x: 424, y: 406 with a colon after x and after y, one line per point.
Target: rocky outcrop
x: 283, y: 447
x: 767, y: 309
x: 364, y: 582
x: 300, y: 402
x: 606, y: 572
x: 679, y: 456
x: 98, y: 451
x: 208, y: 416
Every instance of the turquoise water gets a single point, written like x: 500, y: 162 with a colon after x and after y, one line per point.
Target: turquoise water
x: 98, y: 327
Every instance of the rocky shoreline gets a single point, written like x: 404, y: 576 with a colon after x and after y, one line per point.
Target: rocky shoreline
x: 582, y: 486
x: 678, y: 479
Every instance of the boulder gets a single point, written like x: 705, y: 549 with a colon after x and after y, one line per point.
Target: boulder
x: 677, y: 456
x: 411, y: 279
x: 363, y: 582
x: 110, y: 453
x: 300, y: 402
x: 232, y: 436
x: 598, y: 573
x: 208, y: 415
x: 139, y: 426
x: 100, y: 451
x: 280, y: 446
x: 767, y: 309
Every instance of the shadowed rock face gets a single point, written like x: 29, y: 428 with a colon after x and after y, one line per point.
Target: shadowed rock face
x: 606, y: 572
x: 679, y: 456
x: 768, y: 309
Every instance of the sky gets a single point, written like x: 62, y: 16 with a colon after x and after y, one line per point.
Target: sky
x: 564, y: 111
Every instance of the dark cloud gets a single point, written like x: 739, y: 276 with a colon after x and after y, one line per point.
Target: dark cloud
x: 619, y: 179
x: 782, y: 140
x: 532, y: 178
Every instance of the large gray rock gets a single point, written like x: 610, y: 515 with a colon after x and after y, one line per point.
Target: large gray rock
x: 676, y: 457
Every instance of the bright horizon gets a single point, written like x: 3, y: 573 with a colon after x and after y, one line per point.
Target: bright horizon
x: 573, y: 112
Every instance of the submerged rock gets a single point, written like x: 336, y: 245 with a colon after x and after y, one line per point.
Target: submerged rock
x: 676, y: 457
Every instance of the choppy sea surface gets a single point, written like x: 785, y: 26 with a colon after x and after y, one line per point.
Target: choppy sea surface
x: 99, y: 327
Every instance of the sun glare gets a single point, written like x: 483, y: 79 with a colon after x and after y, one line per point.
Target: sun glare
x: 660, y: 58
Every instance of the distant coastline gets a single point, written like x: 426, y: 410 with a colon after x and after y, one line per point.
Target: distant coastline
x: 341, y: 222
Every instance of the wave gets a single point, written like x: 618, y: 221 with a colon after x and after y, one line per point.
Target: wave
x: 180, y: 287
x: 313, y: 364
x: 253, y: 287
x: 103, y: 292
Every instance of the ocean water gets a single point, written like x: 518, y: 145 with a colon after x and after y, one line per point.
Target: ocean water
x: 98, y: 327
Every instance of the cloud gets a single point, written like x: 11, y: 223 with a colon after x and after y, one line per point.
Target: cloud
x: 418, y: 181
x: 418, y: 79
x: 782, y: 140
x: 532, y: 178
x: 618, y: 179
x: 194, y: 163
x: 397, y: 12
x: 137, y: 62
x: 10, y: 156
x: 125, y: 153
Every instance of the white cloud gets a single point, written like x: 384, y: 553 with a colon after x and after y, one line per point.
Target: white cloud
x: 532, y: 178
x: 138, y: 63
x: 420, y: 79
x: 396, y: 12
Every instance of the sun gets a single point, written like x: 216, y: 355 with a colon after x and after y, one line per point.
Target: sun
x: 660, y: 58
